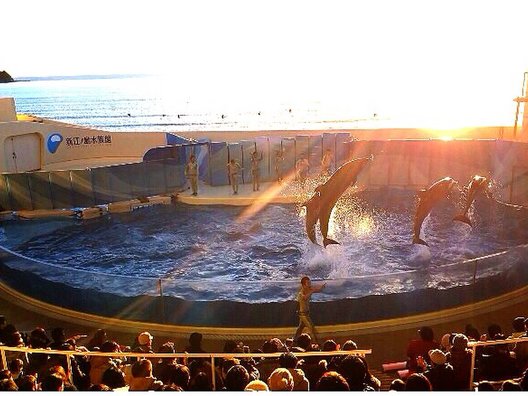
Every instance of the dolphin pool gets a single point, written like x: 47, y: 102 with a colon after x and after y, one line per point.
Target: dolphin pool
x: 219, y: 253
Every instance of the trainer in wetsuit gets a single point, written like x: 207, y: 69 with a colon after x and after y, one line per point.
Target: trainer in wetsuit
x: 303, y: 297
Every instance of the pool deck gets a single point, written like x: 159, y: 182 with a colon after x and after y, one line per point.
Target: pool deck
x: 269, y: 192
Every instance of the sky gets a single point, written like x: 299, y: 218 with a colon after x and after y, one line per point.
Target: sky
x: 468, y: 53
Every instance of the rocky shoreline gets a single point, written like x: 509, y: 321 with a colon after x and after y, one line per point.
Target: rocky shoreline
x: 5, y: 77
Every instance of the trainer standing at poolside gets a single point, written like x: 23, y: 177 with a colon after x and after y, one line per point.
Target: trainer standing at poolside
x: 303, y: 297
x: 191, y: 173
x: 233, y: 167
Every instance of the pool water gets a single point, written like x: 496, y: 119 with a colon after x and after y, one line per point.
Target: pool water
x: 221, y: 245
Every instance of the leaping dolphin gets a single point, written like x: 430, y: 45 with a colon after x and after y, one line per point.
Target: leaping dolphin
x: 427, y: 200
x: 477, y: 183
x: 320, y: 205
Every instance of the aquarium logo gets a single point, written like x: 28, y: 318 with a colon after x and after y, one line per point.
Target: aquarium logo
x: 54, y: 141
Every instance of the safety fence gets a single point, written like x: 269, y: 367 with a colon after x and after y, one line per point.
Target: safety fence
x: 479, y: 344
x: 167, y: 300
x: 125, y: 356
x: 407, y: 164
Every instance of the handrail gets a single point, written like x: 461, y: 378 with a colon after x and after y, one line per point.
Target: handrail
x: 293, y: 281
x: 475, y: 344
x: 184, y: 355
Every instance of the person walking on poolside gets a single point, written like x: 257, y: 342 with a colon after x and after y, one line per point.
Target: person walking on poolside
x: 255, y: 171
x: 279, y: 162
x: 303, y: 298
x: 191, y: 173
x: 301, y: 167
x: 326, y: 162
x: 233, y: 167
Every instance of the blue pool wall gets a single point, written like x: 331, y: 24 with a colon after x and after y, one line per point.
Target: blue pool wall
x: 408, y: 164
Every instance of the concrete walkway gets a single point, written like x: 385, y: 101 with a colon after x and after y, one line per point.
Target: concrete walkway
x: 269, y: 192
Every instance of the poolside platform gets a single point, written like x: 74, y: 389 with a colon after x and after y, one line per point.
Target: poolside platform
x: 269, y: 192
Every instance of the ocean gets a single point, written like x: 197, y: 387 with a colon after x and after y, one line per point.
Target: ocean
x: 151, y: 103
x: 166, y: 104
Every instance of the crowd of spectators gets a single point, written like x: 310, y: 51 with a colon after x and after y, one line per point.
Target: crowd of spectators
x: 443, y: 365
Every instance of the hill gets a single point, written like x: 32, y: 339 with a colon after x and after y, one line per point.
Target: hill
x: 5, y: 77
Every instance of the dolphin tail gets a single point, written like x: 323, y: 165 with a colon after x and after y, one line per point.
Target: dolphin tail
x: 328, y: 241
x: 463, y: 218
x: 417, y: 240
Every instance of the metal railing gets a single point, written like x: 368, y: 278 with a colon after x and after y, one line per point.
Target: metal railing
x: 184, y: 356
x: 475, y: 344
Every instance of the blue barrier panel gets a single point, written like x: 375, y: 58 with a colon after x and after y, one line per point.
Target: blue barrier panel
x: 159, y: 153
x: 5, y: 203
x: 138, y: 180
x: 288, y: 152
x: 61, y: 189
x: 103, y: 189
x: 82, y: 191
x: 40, y: 190
x: 341, y: 148
x: 302, y: 146
x: 174, y: 175
x: 218, y: 158
x: 120, y: 181
x: 20, y: 191
x: 263, y: 146
x: 202, y: 156
x: 248, y: 147
x: 329, y: 143
x: 316, y: 154
x: 156, y: 182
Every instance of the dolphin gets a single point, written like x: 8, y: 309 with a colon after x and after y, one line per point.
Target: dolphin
x: 477, y: 183
x: 320, y: 205
x: 427, y: 200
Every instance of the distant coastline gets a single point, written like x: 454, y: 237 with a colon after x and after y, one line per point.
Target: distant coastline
x: 80, y: 77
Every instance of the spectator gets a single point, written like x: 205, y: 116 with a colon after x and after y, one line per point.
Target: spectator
x: 143, y: 343
x: 420, y: 347
x: 520, y: 349
x: 280, y: 380
x: 201, y: 382
x: 27, y: 383
x: 164, y: 365
x: 97, y: 341
x: 417, y: 382
x: 7, y: 384
x: 114, y: 378
x: 354, y: 371
x: 99, y: 364
x: 397, y: 385
x: 38, y: 339
x: 257, y: 385
x: 440, y: 373
x: 179, y: 375
x: 510, y: 385
x: 460, y: 358
x: 142, y: 379
x: 332, y: 381
x: 236, y: 379
x: 52, y: 383
x: 289, y: 361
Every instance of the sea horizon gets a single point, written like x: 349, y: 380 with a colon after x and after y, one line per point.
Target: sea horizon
x: 149, y: 102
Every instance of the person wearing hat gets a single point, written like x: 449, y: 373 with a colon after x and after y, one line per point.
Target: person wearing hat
x: 439, y: 373
x: 144, y: 342
x: 460, y: 357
